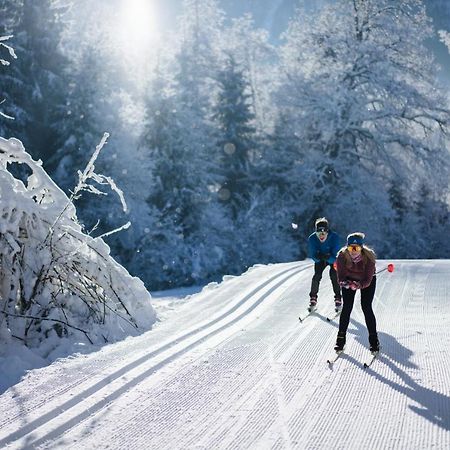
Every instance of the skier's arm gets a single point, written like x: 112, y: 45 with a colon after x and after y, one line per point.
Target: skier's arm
x: 312, y: 249
x: 341, y: 269
x: 334, y: 249
x: 368, y: 274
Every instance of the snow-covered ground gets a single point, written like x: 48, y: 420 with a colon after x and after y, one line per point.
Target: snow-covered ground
x: 233, y: 367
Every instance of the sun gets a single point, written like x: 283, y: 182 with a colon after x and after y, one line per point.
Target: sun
x: 138, y: 25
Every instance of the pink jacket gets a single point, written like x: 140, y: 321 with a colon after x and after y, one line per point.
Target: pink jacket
x: 356, y: 272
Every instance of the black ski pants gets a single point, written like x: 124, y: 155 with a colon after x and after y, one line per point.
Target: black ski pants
x: 318, y: 271
x: 348, y: 298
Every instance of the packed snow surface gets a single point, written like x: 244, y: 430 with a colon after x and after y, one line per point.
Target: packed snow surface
x: 233, y: 367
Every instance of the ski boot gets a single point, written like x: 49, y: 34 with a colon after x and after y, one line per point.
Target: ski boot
x: 374, y: 343
x: 340, y: 342
x: 337, y: 304
x: 312, y: 304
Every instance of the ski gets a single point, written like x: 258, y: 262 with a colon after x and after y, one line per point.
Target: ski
x: 372, y: 359
x: 310, y: 310
x: 307, y: 315
x: 331, y: 361
x: 335, y: 316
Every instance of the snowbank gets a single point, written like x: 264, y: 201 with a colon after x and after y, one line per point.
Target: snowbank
x: 60, y: 290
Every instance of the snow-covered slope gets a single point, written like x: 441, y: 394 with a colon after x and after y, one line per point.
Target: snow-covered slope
x: 232, y: 367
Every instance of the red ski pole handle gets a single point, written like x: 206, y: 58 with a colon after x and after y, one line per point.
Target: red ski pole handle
x: 389, y: 268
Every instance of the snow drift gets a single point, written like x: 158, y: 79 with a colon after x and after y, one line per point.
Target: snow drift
x: 55, y: 280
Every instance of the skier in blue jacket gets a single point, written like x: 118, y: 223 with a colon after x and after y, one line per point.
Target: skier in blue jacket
x: 323, y: 246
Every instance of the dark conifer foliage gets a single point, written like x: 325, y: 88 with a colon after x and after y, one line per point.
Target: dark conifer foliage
x: 235, y: 137
x: 33, y: 87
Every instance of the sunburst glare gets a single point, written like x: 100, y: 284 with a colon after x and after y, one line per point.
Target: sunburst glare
x: 138, y: 25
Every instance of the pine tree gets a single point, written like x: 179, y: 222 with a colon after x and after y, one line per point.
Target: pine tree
x: 236, y: 137
x: 78, y: 126
x: 177, y: 192
x: 34, y: 87
x: 15, y: 89
x: 254, y: 54
x: 194, y: 66
x: 165, y: 152
x: 92, y: 105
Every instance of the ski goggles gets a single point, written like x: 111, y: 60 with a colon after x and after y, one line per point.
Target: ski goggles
x: 321, y: 231
x: 354, y: 248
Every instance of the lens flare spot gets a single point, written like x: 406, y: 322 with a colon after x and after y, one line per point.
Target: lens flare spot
x: 229, y: 148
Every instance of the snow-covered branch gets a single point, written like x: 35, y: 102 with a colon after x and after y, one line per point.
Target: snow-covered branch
x: 445, y: 38
x: 5, y: 62
x: 90, y: 174
x: 9, y: 49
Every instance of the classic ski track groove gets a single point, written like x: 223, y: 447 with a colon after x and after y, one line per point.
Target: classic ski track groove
x: 91, y: 391
x: 78, y: 379
x: 260, y: 417
x: 259, y: 367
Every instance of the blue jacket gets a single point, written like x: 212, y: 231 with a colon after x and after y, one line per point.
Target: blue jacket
x: 324, y: 251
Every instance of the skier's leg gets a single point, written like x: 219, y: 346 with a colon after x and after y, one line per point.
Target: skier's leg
x: 334, y: 282
x: 315, y: 282
x: 336, y: 289
x: 348, y: 296
x: 367, y: 296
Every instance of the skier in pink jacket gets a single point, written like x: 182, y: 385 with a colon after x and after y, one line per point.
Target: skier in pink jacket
x: 356, y: 271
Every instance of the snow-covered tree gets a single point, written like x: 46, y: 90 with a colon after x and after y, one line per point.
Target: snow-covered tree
x: 79, y: 125
x: 179, y: 142
x: 6, y: 54
x: 165, y: 151
x: 10, y: 76
x: 200, y: 32
x: 253, y: 53
x: 34, y: 88
x: 167, y: 186
x: 235, y: 137
x: 360, y: 89
x: 94, y: 102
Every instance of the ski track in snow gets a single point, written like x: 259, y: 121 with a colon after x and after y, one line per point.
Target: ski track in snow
x: 233, y: 368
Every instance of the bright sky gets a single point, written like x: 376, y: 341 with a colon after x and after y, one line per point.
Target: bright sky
x: 138, y: 34
x: 139, y: 24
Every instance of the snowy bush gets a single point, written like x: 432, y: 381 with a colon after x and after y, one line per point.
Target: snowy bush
x: 54, y: 279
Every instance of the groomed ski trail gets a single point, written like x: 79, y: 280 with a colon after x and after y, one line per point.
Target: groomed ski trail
x: 233, y: 368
